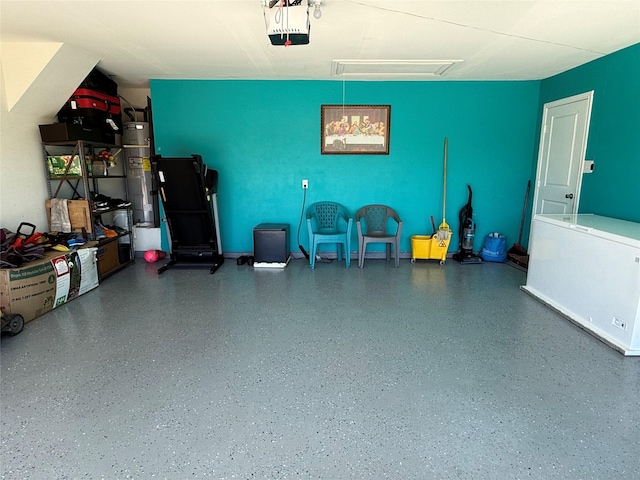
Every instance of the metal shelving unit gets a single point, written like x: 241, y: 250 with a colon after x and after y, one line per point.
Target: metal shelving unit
x: 96, y: 177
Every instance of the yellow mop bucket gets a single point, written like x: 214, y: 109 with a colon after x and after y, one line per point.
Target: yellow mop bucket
x: 434, y: 247
x: 430, y: 247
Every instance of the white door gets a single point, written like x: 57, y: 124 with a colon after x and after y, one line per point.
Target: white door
x: 563, y: 145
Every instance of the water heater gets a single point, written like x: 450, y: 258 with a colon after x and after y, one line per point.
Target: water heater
x: 137, y: 150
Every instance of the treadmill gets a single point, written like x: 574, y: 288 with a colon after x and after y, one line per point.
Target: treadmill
x: 188, y: 192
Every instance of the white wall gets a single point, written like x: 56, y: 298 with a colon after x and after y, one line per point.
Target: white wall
x: 37, y: 79
x: 136, y: 96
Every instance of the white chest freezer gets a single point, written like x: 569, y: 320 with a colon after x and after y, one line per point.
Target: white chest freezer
x: 587, y: 267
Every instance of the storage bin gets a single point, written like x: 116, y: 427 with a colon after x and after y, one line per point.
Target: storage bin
x: 124, y: 252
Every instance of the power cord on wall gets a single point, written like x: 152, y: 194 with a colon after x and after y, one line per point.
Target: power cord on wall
x: 304, y: 200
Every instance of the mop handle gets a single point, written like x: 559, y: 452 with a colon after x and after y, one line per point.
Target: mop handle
x: 444, y: 199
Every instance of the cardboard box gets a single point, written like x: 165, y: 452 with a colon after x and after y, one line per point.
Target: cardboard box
x: 42, y: 285
x: 79, y: 215
x: 107, y: 258
x: 57, y: 165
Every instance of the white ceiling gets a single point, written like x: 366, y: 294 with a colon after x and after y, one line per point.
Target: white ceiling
x: 226, y: 39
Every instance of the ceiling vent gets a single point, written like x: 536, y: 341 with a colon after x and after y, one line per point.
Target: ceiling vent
x: 391, y: 68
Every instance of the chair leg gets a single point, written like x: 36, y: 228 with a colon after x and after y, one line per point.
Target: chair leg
x: 396, y: 251
x: 312, y: 255
x: 347, y: 256
x: 339, y: 253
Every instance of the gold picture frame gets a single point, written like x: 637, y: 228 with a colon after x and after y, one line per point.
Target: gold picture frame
x: 354, y: 129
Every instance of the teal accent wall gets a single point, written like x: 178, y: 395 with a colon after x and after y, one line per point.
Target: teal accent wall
x: 613, y: 189
x: 264, y: 138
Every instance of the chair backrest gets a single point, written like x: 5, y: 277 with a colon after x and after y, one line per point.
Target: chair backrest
x: 376, y: 217
x: 327, y: 215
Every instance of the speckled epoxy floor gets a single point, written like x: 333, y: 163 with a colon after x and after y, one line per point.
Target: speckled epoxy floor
x: 415, y: 373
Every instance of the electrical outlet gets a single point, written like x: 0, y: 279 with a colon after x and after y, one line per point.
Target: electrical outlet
x: 305, y: 184
x: 621, y: 324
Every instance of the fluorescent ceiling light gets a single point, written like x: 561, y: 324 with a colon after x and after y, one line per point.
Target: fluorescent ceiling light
x: 409, y: 68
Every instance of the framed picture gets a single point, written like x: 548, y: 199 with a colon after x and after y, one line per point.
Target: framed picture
x: 354, y: 129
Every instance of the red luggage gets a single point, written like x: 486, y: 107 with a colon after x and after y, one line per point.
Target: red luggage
x: 95, y: 103
x: 85, y: 98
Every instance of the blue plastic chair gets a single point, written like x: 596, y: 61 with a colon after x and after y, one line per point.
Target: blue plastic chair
x: 329, y: 222
x: 371, y: 221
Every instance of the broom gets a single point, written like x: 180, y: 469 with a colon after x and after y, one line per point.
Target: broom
x: 518, y: 249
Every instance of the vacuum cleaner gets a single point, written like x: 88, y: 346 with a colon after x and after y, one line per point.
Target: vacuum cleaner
x: 467, y: 234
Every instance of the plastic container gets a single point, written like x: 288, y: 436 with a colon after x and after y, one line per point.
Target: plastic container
x: 124, y: 252
x: 428, y: 247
